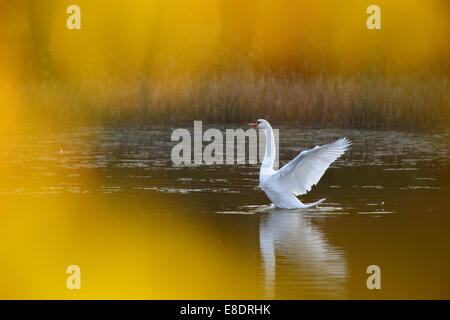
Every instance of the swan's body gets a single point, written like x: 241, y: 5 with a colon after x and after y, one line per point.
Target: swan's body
x: 298, y: 176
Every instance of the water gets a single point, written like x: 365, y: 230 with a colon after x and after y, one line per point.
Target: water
x: 111, y: 201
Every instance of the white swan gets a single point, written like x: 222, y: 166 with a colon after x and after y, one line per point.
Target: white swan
x: 298, y: 176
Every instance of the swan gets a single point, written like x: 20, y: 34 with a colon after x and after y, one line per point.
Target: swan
x: 298, y: 176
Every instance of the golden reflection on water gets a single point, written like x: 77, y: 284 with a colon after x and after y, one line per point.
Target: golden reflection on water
x: 123, y: 252
x: 140, y: 228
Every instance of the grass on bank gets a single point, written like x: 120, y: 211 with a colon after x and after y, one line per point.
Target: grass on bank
x: 365, y: 101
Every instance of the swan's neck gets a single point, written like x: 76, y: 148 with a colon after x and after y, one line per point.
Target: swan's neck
x: 269, y: 156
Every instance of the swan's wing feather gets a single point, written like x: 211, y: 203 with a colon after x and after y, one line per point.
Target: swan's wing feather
x: 306, y: 169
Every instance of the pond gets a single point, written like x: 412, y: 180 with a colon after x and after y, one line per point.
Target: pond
x: 111, y: 201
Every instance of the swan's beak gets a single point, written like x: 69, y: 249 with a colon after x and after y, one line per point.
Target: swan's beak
x: 253, y: 124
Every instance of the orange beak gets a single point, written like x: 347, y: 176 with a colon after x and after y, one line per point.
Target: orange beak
x: 253, y: 124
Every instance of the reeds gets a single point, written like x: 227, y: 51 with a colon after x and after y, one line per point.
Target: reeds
x: 368, y: 101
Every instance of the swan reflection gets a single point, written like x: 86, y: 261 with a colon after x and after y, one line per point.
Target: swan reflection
x: 297, y: 257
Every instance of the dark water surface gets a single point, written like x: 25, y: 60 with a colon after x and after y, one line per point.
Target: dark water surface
x: 111, y: 201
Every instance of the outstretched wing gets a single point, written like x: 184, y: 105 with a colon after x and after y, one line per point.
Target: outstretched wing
x: 306, y: 169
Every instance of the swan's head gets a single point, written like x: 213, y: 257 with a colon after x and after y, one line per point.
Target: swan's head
x: 260, y: 124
